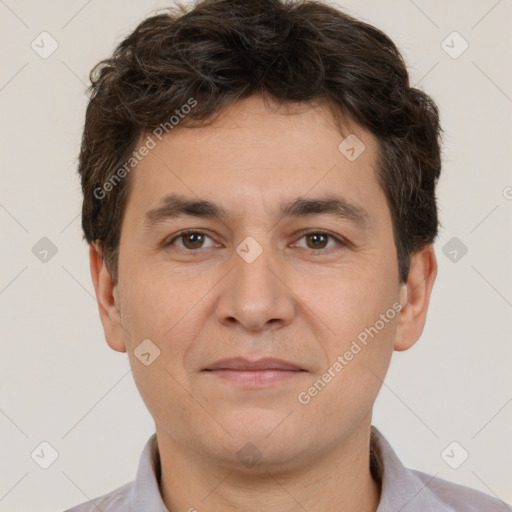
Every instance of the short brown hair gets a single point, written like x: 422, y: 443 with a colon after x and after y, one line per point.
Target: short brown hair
x: 222, y: 50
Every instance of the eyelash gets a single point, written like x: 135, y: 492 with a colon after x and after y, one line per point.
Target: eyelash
x: 340, y: 241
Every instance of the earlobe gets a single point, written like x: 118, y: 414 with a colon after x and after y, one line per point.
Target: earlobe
x: 415, y: 297
x: 107, y: 298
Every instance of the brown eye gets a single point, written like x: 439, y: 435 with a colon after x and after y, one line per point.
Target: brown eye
x: 193, y: 240
x: 190, y: 240
x: 317, y: 240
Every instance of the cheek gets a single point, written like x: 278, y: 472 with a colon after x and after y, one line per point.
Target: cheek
x: 350, y: 302
x: 166, y: 398
x: 362, y: 315
x: 359, y: 357
x: 160, y: 304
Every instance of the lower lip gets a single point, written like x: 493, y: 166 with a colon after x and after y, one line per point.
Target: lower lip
x: 256, y: 377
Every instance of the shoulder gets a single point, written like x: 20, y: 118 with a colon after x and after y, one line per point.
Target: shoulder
x: 459, y: 497
x: 113, y: 501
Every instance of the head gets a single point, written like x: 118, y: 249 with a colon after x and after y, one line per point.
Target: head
x: 286, y: 139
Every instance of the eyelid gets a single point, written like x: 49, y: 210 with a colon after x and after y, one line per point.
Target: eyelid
x: 170, y: 240
x: 312, y: 231
x: 301, y: 234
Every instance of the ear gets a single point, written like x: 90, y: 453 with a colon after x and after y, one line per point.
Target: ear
x: 415, y: 296
x: 107, y: 298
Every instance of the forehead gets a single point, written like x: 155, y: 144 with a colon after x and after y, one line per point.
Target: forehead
x: 258, y: 151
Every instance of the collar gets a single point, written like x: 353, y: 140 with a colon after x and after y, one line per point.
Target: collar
x: 401, y: 489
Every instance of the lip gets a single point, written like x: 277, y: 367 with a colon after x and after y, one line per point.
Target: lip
x: 243, y: 364
x: 254, y: 374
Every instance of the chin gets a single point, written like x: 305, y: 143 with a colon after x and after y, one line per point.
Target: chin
x: 261, y: 439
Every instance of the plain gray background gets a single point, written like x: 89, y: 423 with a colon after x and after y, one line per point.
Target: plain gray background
x: 63, y: 385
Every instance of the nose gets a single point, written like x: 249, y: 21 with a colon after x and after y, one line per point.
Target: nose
x: 255, y: 294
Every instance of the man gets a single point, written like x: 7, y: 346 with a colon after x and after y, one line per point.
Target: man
x: 259, y: 199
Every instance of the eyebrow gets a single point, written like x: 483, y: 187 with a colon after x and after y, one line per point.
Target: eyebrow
x: 175, y: 205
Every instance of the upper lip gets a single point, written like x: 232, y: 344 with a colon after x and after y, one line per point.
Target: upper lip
x: 240, y: 363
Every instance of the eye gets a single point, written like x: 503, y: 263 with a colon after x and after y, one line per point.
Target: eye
x: 319, y: 240
x: 191, y: 240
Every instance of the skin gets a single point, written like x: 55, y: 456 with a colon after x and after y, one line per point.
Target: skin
x: 300, y: 301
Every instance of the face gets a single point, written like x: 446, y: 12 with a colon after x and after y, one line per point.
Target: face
x: 291, y: 258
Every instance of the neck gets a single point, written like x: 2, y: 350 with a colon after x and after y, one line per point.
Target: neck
x: 338, y: 479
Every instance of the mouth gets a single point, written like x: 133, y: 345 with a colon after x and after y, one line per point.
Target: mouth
x: 254, y: 373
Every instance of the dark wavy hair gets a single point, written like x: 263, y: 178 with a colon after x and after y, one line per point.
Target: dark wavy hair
x: 218, y: 51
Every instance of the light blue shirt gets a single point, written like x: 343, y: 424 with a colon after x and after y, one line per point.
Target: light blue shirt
x: 403, y: 490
